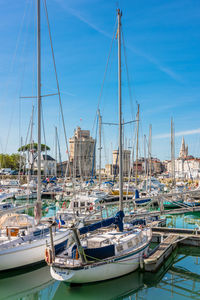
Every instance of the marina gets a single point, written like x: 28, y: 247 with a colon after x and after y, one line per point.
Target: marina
x: 178, y: 277
x: 87, y: 209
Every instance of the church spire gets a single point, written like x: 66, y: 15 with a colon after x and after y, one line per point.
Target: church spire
x: 182, y: 152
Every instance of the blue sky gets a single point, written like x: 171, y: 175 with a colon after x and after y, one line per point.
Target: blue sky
x: 162, y: 40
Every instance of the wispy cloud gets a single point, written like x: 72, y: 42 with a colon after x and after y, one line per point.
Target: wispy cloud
x: 155, y: 62
x: 180, y: 133
x: 76, y: 13
x: 157, y: 109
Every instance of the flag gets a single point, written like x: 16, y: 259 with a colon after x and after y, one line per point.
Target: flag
x: 59, y: 223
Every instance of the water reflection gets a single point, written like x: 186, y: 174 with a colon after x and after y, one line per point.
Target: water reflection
x: 34, y: 284
x: 111, y: 289
x: 179, y: 278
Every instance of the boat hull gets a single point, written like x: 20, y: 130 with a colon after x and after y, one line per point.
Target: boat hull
x: 98, y: 272
x: 30, y: 253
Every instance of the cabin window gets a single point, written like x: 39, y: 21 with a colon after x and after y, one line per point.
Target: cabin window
x: 82, y: 204
x: 130, y: 244
x: 119, y: 248
x: 137, y: 240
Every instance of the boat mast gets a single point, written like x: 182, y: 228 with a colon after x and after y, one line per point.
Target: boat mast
x: 145, y: 161
x: 56, y: 145
x: 150, y: 161
x: 100, y: 122
x: 119, y: 14
x: 172, y: 154
x: 136, y: 171
x: 39, y: 105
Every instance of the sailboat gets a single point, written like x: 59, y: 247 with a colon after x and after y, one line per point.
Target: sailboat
x: 117, y: 248
x: 23, y: 243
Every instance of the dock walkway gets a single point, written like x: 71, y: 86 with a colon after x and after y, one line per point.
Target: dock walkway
x: 161, y: 253
x: 169, y: 238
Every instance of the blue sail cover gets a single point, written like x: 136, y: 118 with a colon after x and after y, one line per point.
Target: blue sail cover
x: 60, y: 221
x: 109, y: 182
x: 136, y: 194
x: 53, y: 179
x: 117, y: 220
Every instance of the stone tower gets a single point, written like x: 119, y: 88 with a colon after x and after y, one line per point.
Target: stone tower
x: 183, y: 150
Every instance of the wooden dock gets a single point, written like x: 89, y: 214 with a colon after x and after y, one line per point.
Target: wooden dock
x: 169, y: 238
x: 160, y: 253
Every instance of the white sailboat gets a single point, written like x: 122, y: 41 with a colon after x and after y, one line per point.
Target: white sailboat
x: 23, y: 243
x: 117, y: 248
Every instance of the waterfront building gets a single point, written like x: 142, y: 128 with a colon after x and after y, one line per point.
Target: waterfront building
x: 82, y: 153
x: 126, y: 156
x: 142, y: 164
x: 63, y: 168
x: 48, y: 165
x: 157, y: 166
x: 109, y: 169
x: 186, y: 166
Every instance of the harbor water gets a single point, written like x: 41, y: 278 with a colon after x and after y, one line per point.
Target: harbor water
x: 178, y: 278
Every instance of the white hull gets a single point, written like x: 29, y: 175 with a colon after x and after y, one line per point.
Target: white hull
x: 5, y: 196
x: 25, y: 196
x: 28, y: 253
x: 94, y: 272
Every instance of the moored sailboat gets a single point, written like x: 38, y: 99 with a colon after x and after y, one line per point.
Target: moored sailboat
x: 22, y: 242
x: 116, y: 248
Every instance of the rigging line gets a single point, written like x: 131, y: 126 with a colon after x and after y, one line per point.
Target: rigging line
x: 43, y: 128
x: 141, y: 130
x: 26, y: 41
x: 12, y: 64
x: 105, y: 72
x: 23, y: 69
x: 124, y: 123
x: 127, y: 74
x: 16, y: 47
x: 94, y: 151
x: 104, y: 147
x: 34, y: 85
x: 35, y: 97
x: 57, y: 83
x: 131, y: 167
x: 26, y: 140
x: 19, y: 122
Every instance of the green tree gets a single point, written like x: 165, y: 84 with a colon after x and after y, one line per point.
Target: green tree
x: 10, y: 161
x: 34, y: 147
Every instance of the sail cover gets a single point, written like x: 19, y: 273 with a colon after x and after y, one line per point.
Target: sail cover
x: 117, y: 220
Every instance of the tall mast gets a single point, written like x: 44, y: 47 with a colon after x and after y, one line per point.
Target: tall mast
x: 39, y: 103
x: 172, y: 153
x: 100, y: 122
x: 145, y: 161
x: 56, y: 146
x: 31, y: 147
x: 120, y: 114
x: 150, y: 162
x: 136, y: 173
